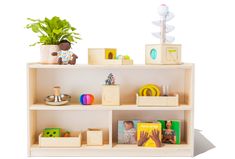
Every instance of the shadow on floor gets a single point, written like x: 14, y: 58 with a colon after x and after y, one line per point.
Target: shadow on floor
x: 202, y: 144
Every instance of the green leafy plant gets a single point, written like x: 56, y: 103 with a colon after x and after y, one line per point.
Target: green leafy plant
x: 52, y: 31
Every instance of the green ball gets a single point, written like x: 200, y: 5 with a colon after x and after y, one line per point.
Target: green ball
x: 126, y: 57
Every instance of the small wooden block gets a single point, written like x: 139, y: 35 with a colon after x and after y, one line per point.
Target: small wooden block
x: 51, y: 132
x: 163, y: 54
x: 111, y: 95
x: 94, y: 137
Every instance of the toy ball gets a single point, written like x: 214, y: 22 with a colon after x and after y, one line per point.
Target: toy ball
x: 163, y: 10
x: 126, y: 57
x: 86, y: 99
x: 119, y: 57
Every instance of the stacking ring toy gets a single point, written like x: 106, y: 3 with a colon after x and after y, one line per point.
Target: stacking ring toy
x: 86, y: 99
x: 149, y: 90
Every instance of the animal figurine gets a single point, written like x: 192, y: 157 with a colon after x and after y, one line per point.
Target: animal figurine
x: 110, y: 80
x: 64, y: 55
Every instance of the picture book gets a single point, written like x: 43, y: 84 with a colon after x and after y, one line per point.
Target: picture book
x: 127, y: 130
x: 171, y: 131
x: 149, y: 134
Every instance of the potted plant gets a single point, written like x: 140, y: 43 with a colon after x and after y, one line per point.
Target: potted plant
x: 50, y: 33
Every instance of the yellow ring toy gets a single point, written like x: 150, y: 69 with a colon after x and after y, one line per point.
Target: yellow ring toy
x: 153, y: 88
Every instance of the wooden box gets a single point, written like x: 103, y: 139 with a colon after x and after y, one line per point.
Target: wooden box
x: 94, y: 137
x: 166, y: 101
x: 105, y: 56
x: 97, y: 56
x: 111, y: 95
x: 163, y: 54
x: 73, y: 141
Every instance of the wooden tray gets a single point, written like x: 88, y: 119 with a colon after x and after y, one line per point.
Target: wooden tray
x: 158, y: 101
x: 73, y: 141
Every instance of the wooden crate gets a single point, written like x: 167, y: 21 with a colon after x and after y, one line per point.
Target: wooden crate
x: 111, y: 95
x: 101, y: 56
x: 163, y: 54
x: 157, y: 100
x: 94, y: 137
x: 73, y: 141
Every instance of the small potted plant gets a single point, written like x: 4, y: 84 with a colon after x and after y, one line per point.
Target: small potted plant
x: 50, y: 33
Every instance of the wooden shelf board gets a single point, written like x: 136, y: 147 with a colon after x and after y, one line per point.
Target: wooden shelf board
x: 166, y: 146
x: 84, y: 146
x: 116, y: 150
x: 134, y: 66
x: 101, y: 107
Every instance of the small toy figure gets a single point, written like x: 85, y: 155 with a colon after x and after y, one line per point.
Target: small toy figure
x: 64, y: 55
x: 110, y: 80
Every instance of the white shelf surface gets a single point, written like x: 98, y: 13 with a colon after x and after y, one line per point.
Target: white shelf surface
x: 101, y: 107
x: 134, y: 66
x: 117, y: 150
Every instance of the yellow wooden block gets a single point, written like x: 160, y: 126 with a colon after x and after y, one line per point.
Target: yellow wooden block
x: 110, y: 54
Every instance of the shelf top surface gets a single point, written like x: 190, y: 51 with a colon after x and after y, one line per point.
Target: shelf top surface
x: 134, y: 66
x: 101, y: 107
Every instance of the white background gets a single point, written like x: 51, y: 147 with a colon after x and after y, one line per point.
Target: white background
x: 205, y: 28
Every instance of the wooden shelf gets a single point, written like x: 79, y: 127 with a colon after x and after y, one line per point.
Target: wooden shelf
x: 78, y: 79
x: 115, y: 150
x: 134, y: 66
x: 101, y: 107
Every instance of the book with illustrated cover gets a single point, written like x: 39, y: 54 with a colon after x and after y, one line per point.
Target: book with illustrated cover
x: 127, y: 130
x: 171, y: 131
x: 149, y: 134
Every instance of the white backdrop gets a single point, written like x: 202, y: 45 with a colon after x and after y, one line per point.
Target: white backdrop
x: 205, y: 28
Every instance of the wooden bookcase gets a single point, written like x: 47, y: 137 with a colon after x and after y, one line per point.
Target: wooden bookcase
x: 78, y: 79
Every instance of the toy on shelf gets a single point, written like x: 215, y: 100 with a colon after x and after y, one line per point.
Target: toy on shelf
x: 150, y: 95
x: 125, y: 57
x: 51, y: 132
x: 94, y: 137
x: 149, y: 90
x: 106, y: 56
x: 57, y: 99
x: 67, y: 134
x: 149, y: 134
x: 86, y: 99
x: 127, y: 130
x: 110, y: 92
x: 171, y: 131
x: 163, y: 53
x: 65, y: 56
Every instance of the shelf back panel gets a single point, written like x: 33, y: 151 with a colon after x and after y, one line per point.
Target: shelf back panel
x: 78, y: 81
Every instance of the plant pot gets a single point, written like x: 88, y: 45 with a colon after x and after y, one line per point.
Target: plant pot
x: 45, y: 54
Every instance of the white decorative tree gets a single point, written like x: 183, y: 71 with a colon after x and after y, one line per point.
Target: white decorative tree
x: 165, y: 16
